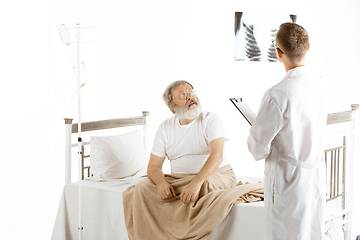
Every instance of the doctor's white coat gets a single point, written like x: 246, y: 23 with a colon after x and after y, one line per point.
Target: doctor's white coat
x: 289, y: 133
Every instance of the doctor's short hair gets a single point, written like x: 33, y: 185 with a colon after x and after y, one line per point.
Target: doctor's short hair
x: 293, y: 40
x: 168, y: 95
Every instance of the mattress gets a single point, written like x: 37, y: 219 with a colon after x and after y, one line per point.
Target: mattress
x: 103, y: 216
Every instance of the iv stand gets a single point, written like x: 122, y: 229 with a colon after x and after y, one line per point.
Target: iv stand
x: 80, y: 228
x: 66, y: 39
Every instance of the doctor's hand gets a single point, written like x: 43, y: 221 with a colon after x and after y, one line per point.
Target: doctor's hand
x: 166, y: 191
x: 190, y: 192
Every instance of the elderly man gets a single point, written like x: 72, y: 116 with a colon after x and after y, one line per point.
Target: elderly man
x: 195, y: 198
x: 192, y: 140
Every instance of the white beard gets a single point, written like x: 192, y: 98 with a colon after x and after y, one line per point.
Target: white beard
x: 187, y: 113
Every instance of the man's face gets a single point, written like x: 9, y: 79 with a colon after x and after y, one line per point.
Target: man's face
x: 188, y: 107
x: 179, y: 91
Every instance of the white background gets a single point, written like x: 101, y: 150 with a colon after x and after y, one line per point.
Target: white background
x: 138, y: 48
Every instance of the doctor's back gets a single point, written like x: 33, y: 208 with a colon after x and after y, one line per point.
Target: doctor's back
x: 291, y: 120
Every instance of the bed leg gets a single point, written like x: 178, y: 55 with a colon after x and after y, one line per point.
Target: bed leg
x: 68, y: 131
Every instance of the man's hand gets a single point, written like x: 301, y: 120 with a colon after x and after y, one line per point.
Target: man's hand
x: 155, y: 174
x: 166, y: 191
x: 190, y: 192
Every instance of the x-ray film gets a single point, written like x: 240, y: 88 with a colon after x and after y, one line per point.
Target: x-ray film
x: 254, y: 33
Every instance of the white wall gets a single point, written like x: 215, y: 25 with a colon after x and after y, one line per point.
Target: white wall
x: 138, y: 48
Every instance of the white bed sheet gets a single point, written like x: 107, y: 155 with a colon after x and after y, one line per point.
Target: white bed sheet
x: 103, y: 216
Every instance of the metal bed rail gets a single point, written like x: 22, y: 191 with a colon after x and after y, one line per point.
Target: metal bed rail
x: 339, y: 162
x: 71, y: 128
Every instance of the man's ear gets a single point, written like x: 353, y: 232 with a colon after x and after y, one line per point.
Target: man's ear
x: 308, y: 48
x: 279, y: 54
x: 171, y: 107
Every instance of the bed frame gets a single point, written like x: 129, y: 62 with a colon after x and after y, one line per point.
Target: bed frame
x: 339, y: 159
x: 71, y: 128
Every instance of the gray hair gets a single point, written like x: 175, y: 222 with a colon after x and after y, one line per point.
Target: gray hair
x: 168, y: 95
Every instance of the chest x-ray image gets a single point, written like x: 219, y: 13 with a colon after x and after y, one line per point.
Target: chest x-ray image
x: 254, y: 33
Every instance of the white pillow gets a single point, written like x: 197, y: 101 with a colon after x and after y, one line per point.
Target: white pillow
x: 117, y: 156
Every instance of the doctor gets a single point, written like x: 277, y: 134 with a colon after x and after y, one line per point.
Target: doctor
x: 289, y: 133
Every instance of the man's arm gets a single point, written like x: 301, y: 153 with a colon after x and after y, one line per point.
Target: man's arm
x: 191, y: 191
x: 267, y: 125
x: 155, y: 174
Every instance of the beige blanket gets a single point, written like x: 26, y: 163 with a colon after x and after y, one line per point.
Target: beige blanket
x: 149, y: 217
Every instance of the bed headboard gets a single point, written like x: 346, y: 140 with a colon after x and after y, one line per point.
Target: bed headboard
x: 71, y: 128
x: 343, y: 129
x: 338, y: 157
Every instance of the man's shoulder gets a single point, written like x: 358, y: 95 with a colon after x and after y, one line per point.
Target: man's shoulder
x: 277, y: 94
x: 208, y: 118
x: 206, y: 114
x: 204, y: 117
x: 168, y: 122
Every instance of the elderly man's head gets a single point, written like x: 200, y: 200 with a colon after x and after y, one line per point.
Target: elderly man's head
x: 181, y: 98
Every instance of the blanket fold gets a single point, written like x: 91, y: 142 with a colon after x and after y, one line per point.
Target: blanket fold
x: 149, y: 217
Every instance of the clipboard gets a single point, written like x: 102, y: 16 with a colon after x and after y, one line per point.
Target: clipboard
x: 244, y: 109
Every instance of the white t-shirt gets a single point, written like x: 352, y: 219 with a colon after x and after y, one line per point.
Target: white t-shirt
x: 187, y: 146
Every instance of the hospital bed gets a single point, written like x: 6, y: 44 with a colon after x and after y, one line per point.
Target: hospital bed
x: 102, y: 210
